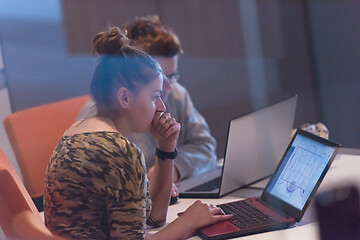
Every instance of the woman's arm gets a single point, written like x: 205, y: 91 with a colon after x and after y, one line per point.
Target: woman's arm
x: 166, y: 130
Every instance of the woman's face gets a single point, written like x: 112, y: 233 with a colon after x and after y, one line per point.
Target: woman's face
x: 145, y: 103
x: 169, y: 66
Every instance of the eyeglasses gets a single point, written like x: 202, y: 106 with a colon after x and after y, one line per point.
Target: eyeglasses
x: 173, y: 77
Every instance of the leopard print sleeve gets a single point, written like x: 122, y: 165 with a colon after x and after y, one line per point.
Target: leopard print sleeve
x: 95, y: 188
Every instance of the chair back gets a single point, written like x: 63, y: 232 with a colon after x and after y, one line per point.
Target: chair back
x: 33, y: 134
x: 19, y: 218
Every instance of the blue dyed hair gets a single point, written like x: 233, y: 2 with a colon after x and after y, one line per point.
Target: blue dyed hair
x: 120, y: 65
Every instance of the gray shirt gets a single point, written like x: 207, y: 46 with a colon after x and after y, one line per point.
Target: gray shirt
x: 196, y: 146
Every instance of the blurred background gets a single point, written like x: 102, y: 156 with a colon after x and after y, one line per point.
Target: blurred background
x: 239, y: 55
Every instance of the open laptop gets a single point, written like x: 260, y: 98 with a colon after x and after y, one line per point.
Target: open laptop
x: 287, y: 194
x: 255, y: 144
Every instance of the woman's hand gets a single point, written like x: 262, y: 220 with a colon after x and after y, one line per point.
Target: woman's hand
x: 201, y: 214
x: 198, y: 215
x: 166, y: 130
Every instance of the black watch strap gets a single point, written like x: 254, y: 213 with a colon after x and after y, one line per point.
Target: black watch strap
x: 166, y: 155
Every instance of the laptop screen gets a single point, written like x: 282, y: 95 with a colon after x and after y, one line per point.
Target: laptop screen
x: 300, y: 171
x: 303, y: 167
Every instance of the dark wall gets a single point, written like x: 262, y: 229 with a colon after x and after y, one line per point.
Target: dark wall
x: 239, y: 55
x: 335, y: 31
x: 38, y: 67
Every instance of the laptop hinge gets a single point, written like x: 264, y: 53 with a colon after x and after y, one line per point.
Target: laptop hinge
x: 259, y: 199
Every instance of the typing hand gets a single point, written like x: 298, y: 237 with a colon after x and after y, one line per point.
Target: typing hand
x: 201, y: 214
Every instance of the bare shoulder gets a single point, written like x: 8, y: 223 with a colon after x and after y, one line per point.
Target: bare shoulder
x: 93, y: 124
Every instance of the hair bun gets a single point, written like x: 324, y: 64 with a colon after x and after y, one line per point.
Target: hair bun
x: 111, y: 41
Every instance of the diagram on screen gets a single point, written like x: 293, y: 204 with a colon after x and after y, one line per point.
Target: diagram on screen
x: 304, y: 164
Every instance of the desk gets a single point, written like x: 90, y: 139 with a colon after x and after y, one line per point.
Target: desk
x: 344, y: 170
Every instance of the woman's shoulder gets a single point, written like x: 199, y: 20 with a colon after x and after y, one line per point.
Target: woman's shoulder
x: 92, y: 124
x: 102, y: 140
x: 96, y: 150
x: 97, y: 143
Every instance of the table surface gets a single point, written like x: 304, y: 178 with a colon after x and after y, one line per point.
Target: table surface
x: 344, y: 171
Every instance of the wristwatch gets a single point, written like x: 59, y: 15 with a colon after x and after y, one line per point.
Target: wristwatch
x: 166, y: 155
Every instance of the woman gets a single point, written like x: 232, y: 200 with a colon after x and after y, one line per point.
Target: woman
x: 195, y: 144
x: 95, y: 184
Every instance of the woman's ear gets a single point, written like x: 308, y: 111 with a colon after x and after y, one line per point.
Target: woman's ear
x: 123, y: 97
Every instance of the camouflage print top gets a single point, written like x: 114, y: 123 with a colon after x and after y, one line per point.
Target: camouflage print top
x: 95, y: 188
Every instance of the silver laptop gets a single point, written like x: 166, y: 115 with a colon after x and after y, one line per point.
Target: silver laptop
x: 255, y: 144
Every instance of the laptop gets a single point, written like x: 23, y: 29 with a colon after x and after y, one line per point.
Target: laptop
x: 287, y: 194
x: 255, y: 144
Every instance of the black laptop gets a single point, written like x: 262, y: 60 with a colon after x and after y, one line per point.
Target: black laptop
x: 287, y: 194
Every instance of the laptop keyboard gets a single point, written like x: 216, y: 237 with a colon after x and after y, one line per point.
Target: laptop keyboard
x: 206, y: 187
x: 245, y: 215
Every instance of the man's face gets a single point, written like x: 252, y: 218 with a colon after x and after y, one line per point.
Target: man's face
x: 169, y: 66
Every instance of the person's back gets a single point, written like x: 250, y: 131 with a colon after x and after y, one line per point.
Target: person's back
x: 95, y: 197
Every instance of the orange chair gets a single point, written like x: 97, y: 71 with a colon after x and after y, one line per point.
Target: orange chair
x: 19, y: 218
x: 33, y: 134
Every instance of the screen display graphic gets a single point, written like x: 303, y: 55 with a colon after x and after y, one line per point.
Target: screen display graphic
x: 300, y: 170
